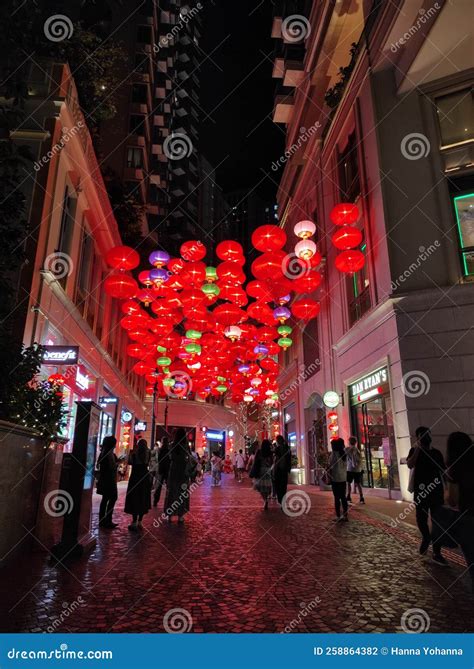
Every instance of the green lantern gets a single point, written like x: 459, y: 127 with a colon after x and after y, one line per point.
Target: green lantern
x: 221, y: 379
x: 221, y: 388
x: 285, y: 342
x: 284, y: 330
x: 275, y: 397
x: 210, y: 290
x: 195, y: 349
x: 164, y: 361
x: 161, y: 349
x: 211, y: 274
x: 168, y: 383
x: 193, y: 334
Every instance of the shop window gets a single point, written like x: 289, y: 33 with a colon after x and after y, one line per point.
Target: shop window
x: 137, y: 125
x: 135, y: 157
x: 348, y: 164
x: 85, y: 268
x: 139, y: 94
x: 464, y: 212
x: 312, y: 363
x: 66, y: 231
x: 455, y: 117
x: 358, y: 291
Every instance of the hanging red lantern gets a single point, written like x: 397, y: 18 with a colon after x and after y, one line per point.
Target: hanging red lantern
x: 347, y: 237
x: 56, y: 379
x: 268, y: 265
x: 306, y: 309
x: 121, y: 286
x: 229, y: 250
x: 269, y: 238
x: 344, y: 213
x: 193, y: 250
x: 307, y: 283
x: 122, y: 258
x: 350, y: 262
x: 196, y: 271
x: 229, y: 314
x: 229, y: 270
x: 260, y: 290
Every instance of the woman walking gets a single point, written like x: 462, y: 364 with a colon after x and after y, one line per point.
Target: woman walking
x: 177, y: 490
x: 138, y: 498
x: 281, y: 468
x: 262, y: 471
x: 337, y: 471
x: 163, y: 467
x: 107, y: 482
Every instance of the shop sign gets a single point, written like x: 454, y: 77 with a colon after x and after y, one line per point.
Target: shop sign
x: 369, y: 385
x: 331, y: 399
x: 60, y: 355
x: 108, y: 400
x: 140, y: 426
x: 216, y: 436
x: 82, y: 380
x: 126, y: 416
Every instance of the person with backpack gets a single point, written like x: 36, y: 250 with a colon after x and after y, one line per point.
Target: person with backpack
x: 337, y: 470
x: 354, y: 469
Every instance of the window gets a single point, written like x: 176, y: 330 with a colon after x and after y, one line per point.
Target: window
x: 135, y: 157
x: 312, y: 362
x: 142, y: 63
x: 348, y: 164
x: 85, y: 266
x: 455, y: 116
x: 66, y: 231
x: 464, y: 211
x: 358, y: 291
x: 144, y: 34
x: 137, y: 124
x: 139, y: 93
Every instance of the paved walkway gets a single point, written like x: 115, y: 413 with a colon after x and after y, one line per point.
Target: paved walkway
x: 235, y: 568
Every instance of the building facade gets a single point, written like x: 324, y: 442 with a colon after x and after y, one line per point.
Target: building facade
x: 387, y: 90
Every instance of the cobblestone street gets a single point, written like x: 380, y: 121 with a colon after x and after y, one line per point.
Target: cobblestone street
x: 235, y: 568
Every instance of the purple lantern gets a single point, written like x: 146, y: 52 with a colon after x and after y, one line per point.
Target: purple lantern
x: 261, y: 350
x: 159, y: 275
x: 159, y: 258
x: 243, y: 369
x: 281, y: 314
x: 284, y: 299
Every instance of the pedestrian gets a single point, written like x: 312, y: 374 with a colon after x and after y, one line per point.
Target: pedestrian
x: 177, y: 489
x: 163, y: 467
x: 240, y: 465
x: 138, y: 498
x: 216, y: 469
x: 107, y: 482
x: 428, y: 468
x: 453, y: 525
x: 337, y: 470
x: 354, y: 469
x: 282, y: 467
x: 262, y: 471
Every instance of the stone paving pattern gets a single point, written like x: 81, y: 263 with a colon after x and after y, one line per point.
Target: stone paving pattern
x: 237, y: 568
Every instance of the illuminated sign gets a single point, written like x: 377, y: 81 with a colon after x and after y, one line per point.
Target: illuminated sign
x: 140, y: 426
x: 331, y: 399
x: 60, y: 355
x: 372, y: 381
x: 82, y: 380
x: 216, y: 436
x: 108, y: 400
x: 126, y: 416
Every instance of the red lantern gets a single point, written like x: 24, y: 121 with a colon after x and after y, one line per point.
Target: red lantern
x: 260, y: 290
x: 196, y: 272
x: 306, y: 309
x: 122, y: 258
x: 268, y: 238
x: 347, y: 237
x: 229, y: 250
x: 350, y: 261
x: 56, y: 380
x: 268, y: 265
x: 193, y: 250
x: 229, y: 270
x: 229, y: 314
x: 121, y: 286
x: 308, y: 282
x: 344, y: 213
x: 175, y: 265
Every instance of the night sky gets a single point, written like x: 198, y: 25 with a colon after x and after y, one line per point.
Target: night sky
x: 237, y: 92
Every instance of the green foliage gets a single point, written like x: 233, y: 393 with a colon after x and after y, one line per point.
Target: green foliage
x: 34, y: 403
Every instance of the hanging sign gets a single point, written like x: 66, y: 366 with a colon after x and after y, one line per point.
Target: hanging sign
x: 60, y: 355
x: 369, y: 385
x: 331, y: 399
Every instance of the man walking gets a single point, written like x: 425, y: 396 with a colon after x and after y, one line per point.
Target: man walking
x: 240, y: 465
x: 428, y: 465
x: 354, y: 469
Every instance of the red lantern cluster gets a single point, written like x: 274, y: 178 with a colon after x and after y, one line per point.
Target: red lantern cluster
x: 346, y: 238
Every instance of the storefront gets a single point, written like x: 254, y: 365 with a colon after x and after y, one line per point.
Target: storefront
x: 289, y: 421
x: 108, y: 417
x: 372, y: 424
